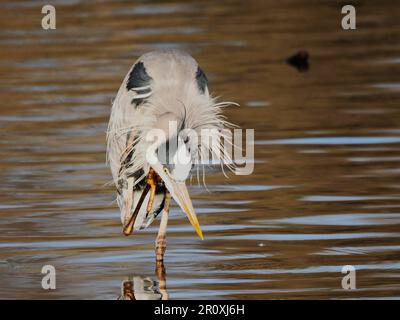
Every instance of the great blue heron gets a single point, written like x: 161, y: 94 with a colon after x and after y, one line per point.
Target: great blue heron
x: 161, y: 88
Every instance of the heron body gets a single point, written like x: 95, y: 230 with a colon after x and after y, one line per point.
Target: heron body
x: 161, y: 88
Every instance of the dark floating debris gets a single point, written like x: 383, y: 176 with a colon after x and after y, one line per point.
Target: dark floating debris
x: 299, y: 61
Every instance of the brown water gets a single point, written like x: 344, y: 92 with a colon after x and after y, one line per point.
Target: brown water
x: 325, y: 190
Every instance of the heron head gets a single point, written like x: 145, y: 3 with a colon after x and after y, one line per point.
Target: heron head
x: 171, y: 157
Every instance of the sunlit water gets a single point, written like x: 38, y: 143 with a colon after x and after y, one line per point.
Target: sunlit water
x: 325, y: 189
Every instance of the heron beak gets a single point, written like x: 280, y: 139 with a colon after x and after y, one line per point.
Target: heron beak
x: 180, y: 193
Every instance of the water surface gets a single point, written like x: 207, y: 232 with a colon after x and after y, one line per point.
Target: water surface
x: 325, y: 189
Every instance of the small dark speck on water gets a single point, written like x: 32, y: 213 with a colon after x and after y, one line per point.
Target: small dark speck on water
x: 300, y: 61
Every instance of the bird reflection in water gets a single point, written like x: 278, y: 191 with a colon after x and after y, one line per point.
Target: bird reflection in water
x: 145, y: 288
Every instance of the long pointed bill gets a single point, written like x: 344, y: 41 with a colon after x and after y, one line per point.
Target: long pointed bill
x: 180, y: 193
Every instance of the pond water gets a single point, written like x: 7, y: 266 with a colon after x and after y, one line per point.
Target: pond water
x: 325, y: 190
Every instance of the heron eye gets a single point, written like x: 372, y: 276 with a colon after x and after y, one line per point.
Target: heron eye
x: 201, y: 80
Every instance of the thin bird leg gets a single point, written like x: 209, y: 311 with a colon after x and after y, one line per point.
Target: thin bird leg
x: 162, y: 279
x: 151, y: 184
x: 161, y: 242
x: 152, y: 180
x: 129, y: 226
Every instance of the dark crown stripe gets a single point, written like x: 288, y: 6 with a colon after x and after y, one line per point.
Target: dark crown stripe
x: 138, y: 77
x: 201, y: 80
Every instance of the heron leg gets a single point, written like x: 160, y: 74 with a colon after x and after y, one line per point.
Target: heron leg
x: 161, y: 241
x: 162, y: 278
x: 151, y: 185
x: 128, y: 227
x: 152, y: 180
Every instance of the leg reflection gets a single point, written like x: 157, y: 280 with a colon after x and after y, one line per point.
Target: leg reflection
x: 127, y: 291
x: 145, y: 288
